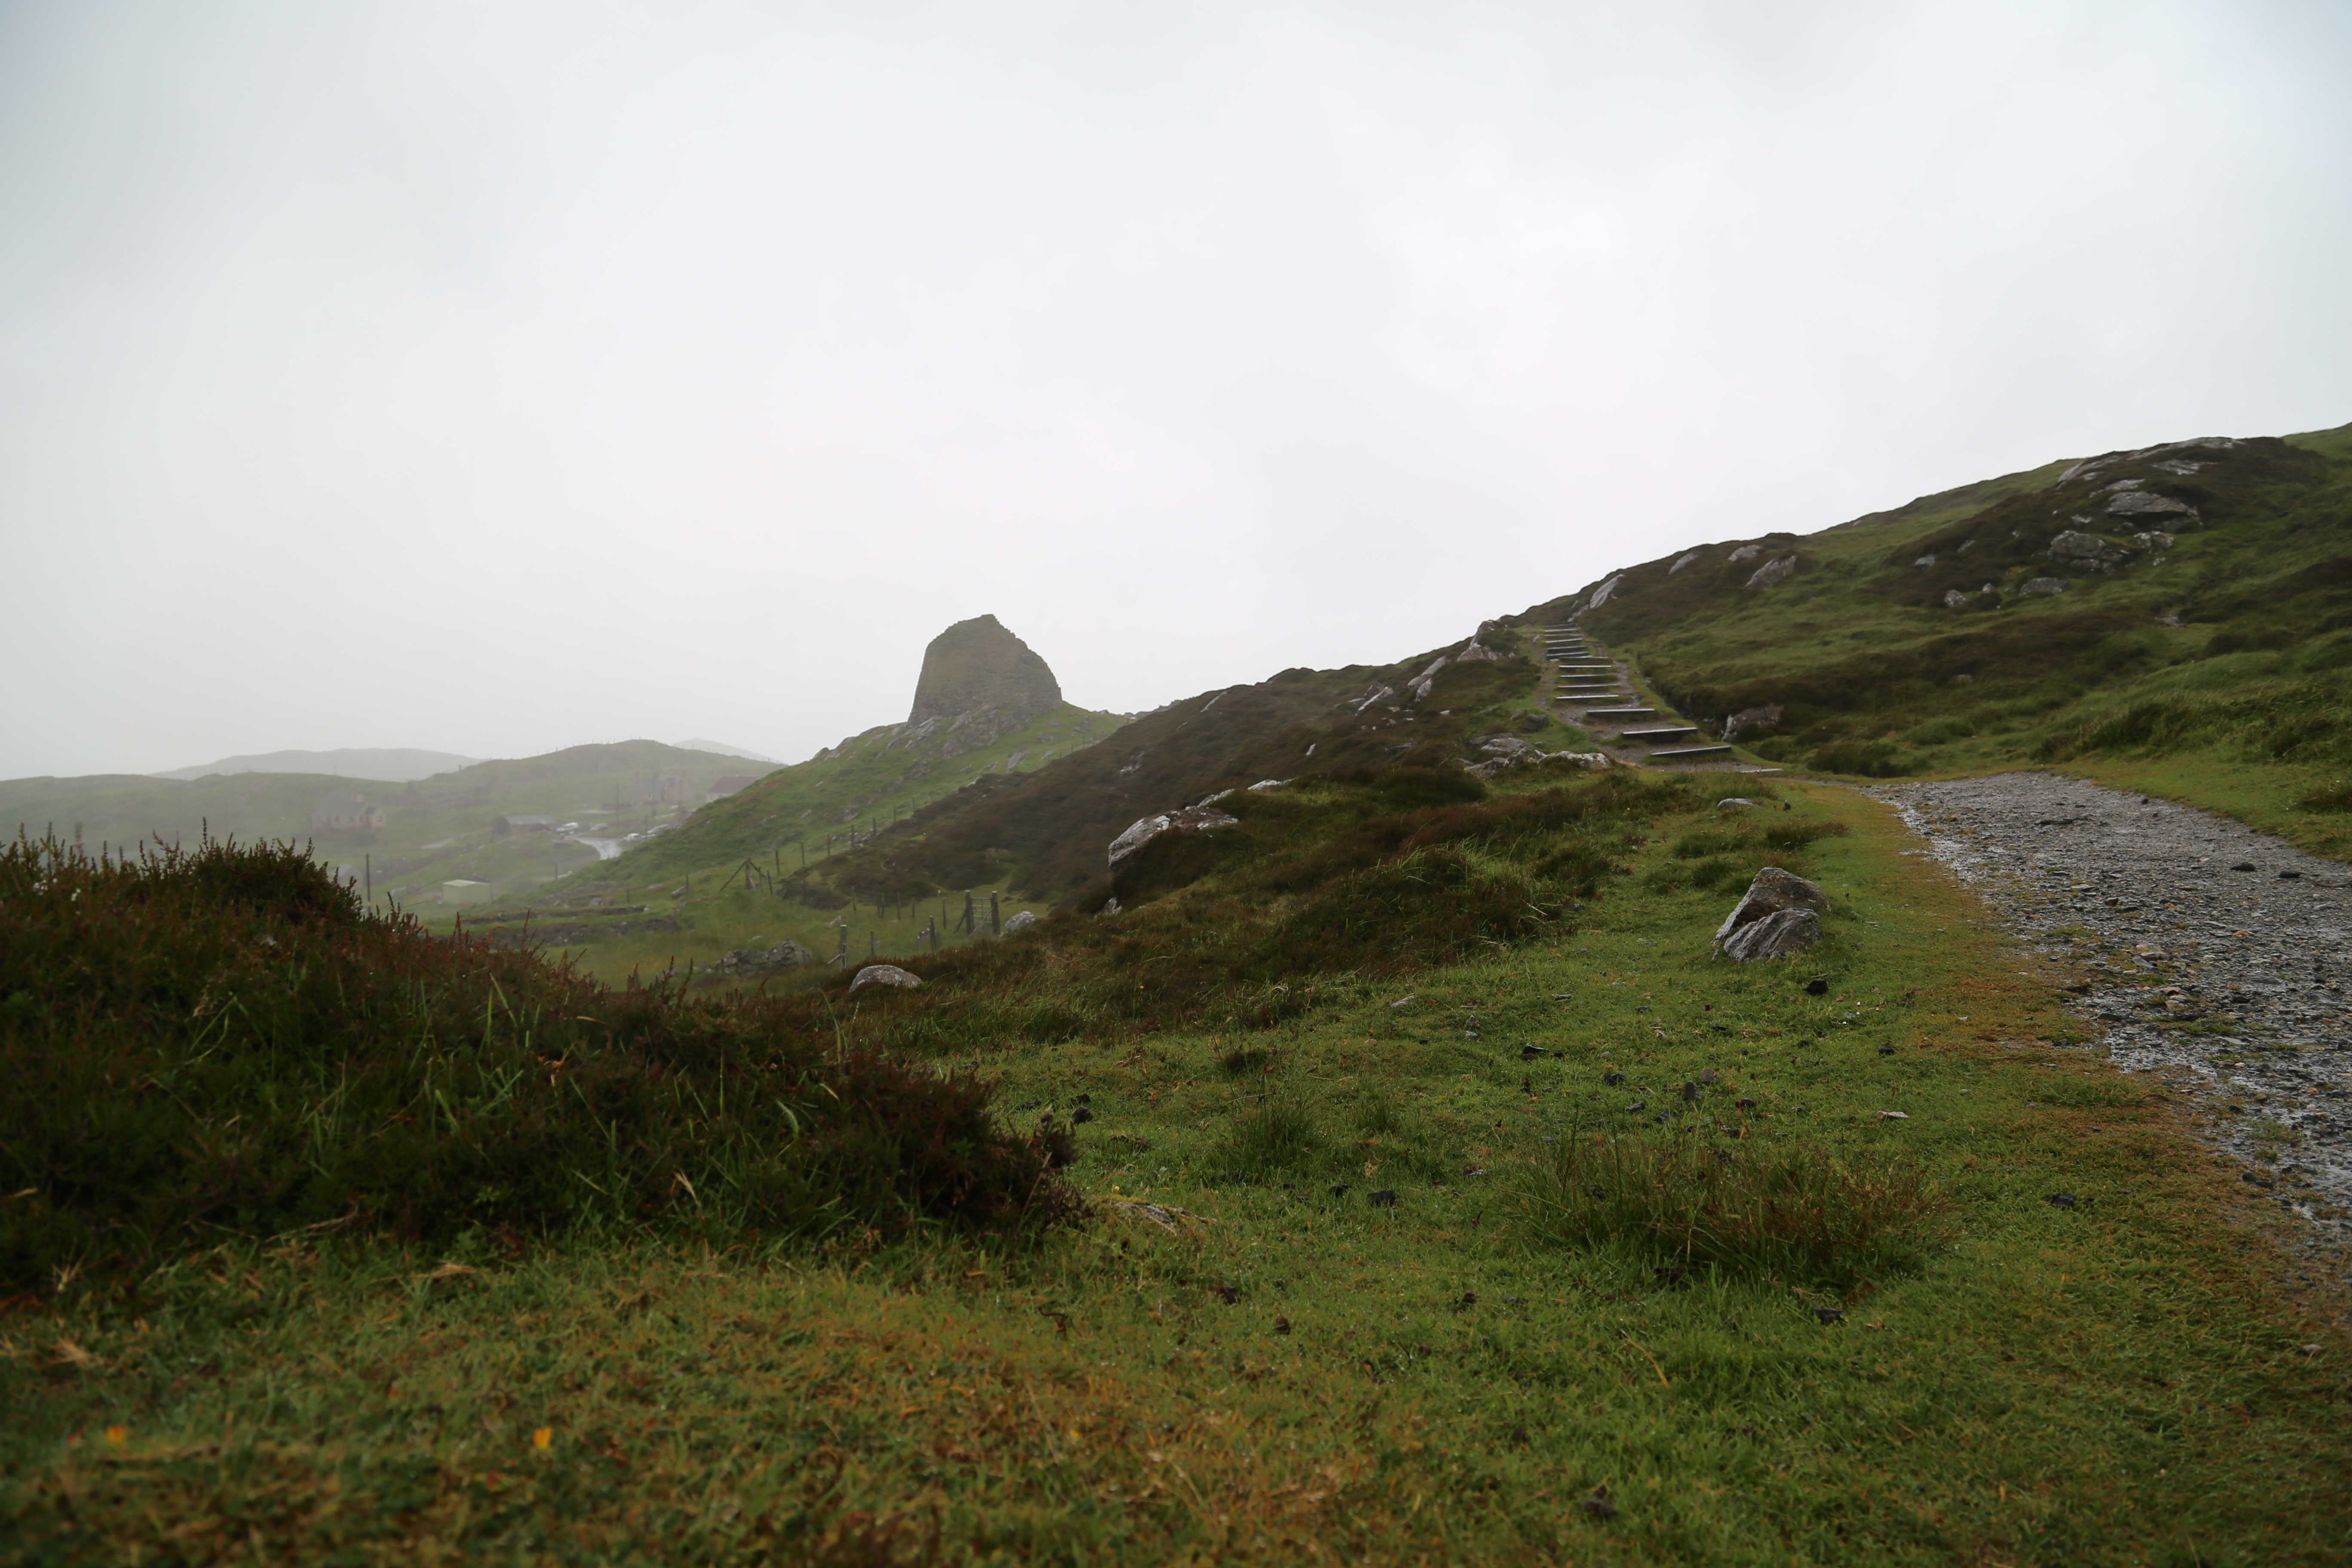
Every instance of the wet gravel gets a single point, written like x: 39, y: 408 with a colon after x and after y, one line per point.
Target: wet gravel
x: 2210, y: 955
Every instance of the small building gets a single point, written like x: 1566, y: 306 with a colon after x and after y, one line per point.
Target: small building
x: 462, y: 892
x: 721, y: 788
x: 341, y: 812
x: 503, y: 825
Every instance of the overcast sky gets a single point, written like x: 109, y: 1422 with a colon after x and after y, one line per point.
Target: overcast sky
x: 495, y: 378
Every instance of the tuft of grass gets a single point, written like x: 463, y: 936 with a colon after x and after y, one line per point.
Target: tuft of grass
x: 1694, y: 1201
x: 1279, y: 1135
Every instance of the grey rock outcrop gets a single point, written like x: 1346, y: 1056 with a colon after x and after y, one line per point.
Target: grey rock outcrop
x: 1752, y: 720
x: 2088, y: 551
x: 1682, y: 562
x: 1779, y: 914
x: 2139, y: 503
x: 1955, y: 600
x: 977, y: 665
x: 1506, y: 752
x: 1745, y: 553
x: 2036, y: 587
x: 1772, y: 572
x: 1202, y: 818
x: 886, y: 975
x: 1020, y: 921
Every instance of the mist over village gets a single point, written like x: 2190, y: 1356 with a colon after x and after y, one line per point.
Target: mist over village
x: 1498, y: 784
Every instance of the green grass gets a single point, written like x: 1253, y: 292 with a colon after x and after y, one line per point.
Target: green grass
x: 2219, y: 667
x: 1309, y: 1373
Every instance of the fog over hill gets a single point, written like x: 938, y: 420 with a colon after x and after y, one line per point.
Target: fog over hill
x: 392, y: 765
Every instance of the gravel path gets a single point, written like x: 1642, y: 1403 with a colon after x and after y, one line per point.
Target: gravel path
x: 2210, y: 955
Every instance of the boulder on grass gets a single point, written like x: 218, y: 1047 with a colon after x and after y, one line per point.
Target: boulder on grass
x: 1020, y: 921
x: 886, y: 975
x: 1784, y: 933
x: 1773, y: 893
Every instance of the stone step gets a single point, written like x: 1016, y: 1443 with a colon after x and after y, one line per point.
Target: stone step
x: 1681, y: 752
x: 1621, y: 712
x: 1659, y: 733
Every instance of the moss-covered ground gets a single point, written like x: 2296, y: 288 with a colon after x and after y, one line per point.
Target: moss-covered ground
x: 2079, y: 1350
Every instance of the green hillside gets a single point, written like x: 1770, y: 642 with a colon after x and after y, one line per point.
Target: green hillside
x: 436, y: 829
x: 2178, y: 618
x: 847, y: 792
x: 1035, y: 834
x: 1049, y: 835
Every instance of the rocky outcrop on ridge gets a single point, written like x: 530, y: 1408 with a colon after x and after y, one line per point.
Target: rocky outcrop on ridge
x: 978, y: 667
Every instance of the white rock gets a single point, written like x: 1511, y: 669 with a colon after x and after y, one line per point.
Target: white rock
x: 1269, y: 784
x: 1020, y: 921
x: 1733, y: 802
x: 1745, y: 552
x: 1682, y: 563
x: 886, y: 975
x: 1954, y: 599
x: 1773, y: 572
x: 2039, y: 585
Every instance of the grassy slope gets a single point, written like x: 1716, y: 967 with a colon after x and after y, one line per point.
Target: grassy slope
x: 869, y: 781
x: 436, y: 828
x: 698, y: 906
x: 2118, y: 1383
x: 2239, y: 707
x: 1038, y: 836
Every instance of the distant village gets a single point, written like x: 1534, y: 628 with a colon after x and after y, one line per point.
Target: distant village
x: 675, y: 794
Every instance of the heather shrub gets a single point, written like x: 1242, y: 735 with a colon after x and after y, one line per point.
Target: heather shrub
x: 220, y: 1041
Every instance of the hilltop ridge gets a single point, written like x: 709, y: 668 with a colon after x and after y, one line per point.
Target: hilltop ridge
x: 2204, y: 585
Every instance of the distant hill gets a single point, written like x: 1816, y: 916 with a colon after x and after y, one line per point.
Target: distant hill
x: 389, y: 764
x: 720, y: 749
x: 438, y: 828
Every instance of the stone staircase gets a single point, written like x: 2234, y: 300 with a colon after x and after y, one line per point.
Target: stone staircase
x: 1593, y: 691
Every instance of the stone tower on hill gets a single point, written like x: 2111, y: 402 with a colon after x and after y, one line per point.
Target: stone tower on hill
x: 977, y: 664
